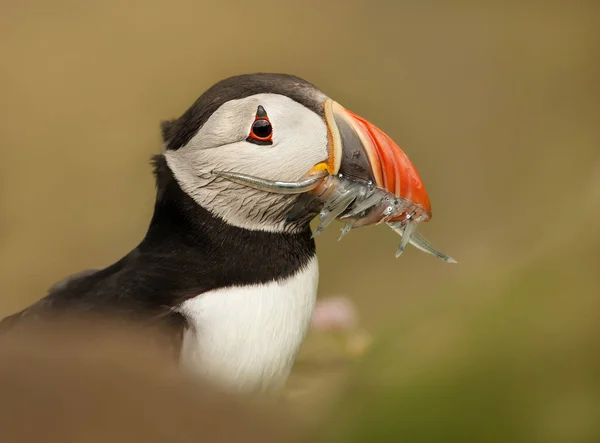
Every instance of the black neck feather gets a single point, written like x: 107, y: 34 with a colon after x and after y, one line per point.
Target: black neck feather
x: 219, y: 254
x: 186, y: 251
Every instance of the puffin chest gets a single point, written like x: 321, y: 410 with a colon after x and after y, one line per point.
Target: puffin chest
x: 247, y: 337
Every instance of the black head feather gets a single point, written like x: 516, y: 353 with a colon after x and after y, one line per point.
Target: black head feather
x: 166, y: 129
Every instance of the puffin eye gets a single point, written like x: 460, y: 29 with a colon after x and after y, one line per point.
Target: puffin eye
x: 262, y: 128
x: 261, y: 132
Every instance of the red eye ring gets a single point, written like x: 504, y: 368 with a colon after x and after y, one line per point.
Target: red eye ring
x: 261, y: 131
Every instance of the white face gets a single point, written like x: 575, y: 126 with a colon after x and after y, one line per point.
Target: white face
x: 299, y: 142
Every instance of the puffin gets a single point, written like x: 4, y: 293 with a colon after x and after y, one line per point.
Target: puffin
x: 231, y: 271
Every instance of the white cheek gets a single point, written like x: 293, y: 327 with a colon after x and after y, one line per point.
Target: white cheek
x: 299, y: 139
x: 299, y: 143
x: 224, y: 127
x: 289, y: 158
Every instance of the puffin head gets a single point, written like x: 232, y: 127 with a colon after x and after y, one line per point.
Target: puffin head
x: 282, y: 129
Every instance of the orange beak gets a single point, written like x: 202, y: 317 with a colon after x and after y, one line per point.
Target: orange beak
x: 361, y: 150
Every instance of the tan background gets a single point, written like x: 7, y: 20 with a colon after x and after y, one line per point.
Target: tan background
x: 495, y: 102
x: 496, y: 105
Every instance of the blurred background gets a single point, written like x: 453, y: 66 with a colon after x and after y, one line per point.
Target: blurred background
x: 496, y: 104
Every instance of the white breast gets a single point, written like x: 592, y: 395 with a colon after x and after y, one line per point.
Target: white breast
x: 247, y: 337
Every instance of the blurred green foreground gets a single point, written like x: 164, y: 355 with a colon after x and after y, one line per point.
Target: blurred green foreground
x: 504, y: 357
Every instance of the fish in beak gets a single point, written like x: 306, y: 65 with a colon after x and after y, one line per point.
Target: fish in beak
x: 367, y: 179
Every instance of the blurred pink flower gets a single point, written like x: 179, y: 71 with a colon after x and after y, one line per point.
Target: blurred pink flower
x: 334, y: 313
